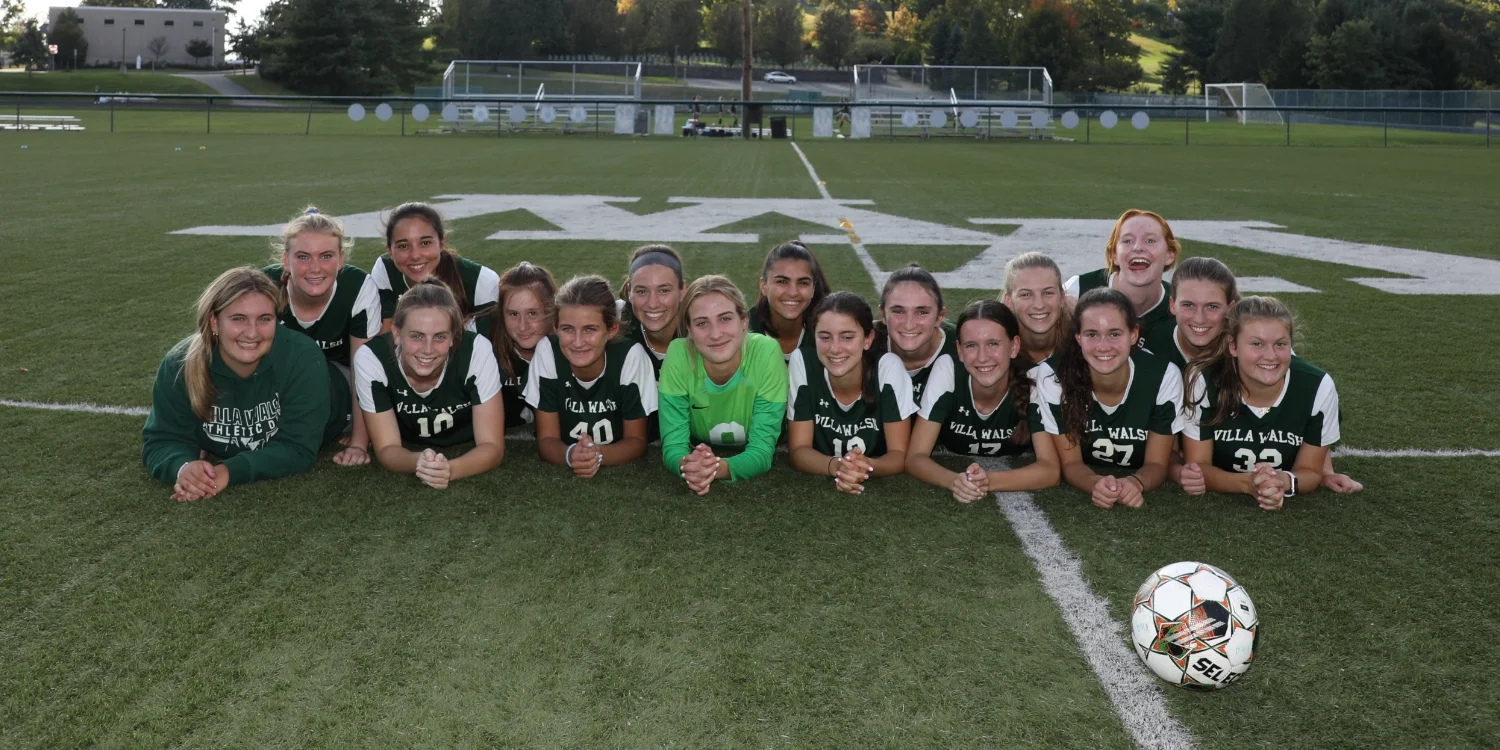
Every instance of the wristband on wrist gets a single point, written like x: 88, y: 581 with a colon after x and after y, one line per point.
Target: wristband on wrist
x: 1291, y: 485
x: 568, y: 455
x: 1138, y: 482
x: 182, y: 468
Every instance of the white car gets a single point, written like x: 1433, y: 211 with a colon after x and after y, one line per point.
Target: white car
x: 777, y: 76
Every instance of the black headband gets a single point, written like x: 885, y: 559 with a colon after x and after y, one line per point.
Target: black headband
x: 656, y: 258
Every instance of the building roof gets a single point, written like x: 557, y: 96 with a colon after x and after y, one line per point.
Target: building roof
x: 110, y: 9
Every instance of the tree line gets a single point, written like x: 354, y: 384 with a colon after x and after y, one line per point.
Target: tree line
x: 376, y: 46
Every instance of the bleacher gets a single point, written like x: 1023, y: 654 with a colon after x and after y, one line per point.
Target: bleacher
x: 39, y: 122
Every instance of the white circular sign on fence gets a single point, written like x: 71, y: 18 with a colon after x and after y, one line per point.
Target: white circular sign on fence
x: 1070, y: 119
x: 549, y: 113
x: 909, y: 118
x: 383, y: 112
x: 1038, y: 118
x: 1108, y: 119
x: 938, y: 118
x: 1140, y: 120
x: 356, y: 112
x: 1008, y: 119
x: 516, y: 113
x: 968, y: 118
x: 481, y: 113
x: 450, y: 112
x: 578, y: 114
x: 420, y: 113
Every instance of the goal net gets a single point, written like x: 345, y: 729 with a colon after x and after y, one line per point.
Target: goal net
x: 1234, y: 95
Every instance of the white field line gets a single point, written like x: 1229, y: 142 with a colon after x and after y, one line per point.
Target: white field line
x: 877, y: 276
x: 1136, y: 698
x: 86, y: 408
x: 1135, y: 694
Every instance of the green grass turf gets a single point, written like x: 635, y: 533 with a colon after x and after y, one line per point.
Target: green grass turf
x: 1153, y: 58
x: 108, y: 81
x: 521, y: 608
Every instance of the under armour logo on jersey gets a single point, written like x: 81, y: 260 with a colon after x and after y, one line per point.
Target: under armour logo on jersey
x: 403, y: 392
x: 823, y: 402
x: 964, y: 410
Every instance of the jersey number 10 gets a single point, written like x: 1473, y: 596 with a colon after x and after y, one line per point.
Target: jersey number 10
x: 439, y: 423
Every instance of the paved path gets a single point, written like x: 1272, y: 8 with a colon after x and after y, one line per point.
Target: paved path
x: 226, y: 84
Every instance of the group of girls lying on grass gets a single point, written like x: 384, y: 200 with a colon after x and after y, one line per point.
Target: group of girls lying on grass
x: 1115, y: 381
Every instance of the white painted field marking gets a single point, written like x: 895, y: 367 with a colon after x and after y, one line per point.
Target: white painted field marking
x: 1135, y: 694
x: 85, y: 408
x: 877, y: 276
x: 1414, y: 453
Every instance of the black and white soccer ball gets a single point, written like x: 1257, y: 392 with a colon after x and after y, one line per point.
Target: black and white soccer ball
x: 1194, y: 626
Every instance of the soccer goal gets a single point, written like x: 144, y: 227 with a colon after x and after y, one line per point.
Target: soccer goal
x: 1242, y: 95
x: 519, y: 80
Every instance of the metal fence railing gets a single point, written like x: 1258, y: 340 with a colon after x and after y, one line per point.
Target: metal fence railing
x: 1101, y: 120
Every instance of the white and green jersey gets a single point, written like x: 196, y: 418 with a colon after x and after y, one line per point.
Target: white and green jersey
x: 353, y: 311
x: 481, y: 285
x: 442, y: 415
x: 1163, y: 343
x: 517, y: 412
x: 948, y: 401
x: 1159, y: 314
x: 947, y: 344
x: 599, y: 408
x: 1117, y: 435
x: 1307, y: 411
x: 839, y: 427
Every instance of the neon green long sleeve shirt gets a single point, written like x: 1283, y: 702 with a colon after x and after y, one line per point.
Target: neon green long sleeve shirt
x: 743, y: 416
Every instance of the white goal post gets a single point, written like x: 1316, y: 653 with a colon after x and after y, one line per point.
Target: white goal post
x: 1242, y: 95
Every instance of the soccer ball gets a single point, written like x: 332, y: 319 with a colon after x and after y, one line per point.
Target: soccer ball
x: 1194, y: 626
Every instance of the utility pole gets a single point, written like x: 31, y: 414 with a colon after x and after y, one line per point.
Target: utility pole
x: 745, y: 16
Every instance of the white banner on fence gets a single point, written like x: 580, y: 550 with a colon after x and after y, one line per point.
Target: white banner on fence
x: 823, y: 122
x: 624, y: 119
x: 666, y: 119
x: 859, y: 123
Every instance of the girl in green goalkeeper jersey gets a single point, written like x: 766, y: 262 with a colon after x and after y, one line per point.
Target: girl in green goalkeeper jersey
x: 1115, y: 406
x: 1203, y: 291
x: 1260, y: 420
x: 432, y: 383
x: 523, y: 317
x: 1034, y: 292
x: 331, y: 302
x: 791, y: 284
x: 848, y: 408
x: 591, y: 392
x: 722, y: 391
x: 982, y: 403
x: 912, y: 324
x: 416, y: 249
x: 1141, y: 250
x: 243, y: 398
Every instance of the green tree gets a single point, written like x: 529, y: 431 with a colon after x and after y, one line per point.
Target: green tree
x: 67, y: 33
x: 1196, y: 36
x: 346, y: 47
x: 1263, y: 41
x: 726, y: 28
x: 1349, y: 58
x: 11, y: 25
x: 1047, y: 35
x: 1110, y: 59
x: 593, y: 26
x: 778, y: 31
x: 979, y: 46
x: 199, y: 49
x: 30, y: 49
x: 682, y: 28
x: 833, y: 35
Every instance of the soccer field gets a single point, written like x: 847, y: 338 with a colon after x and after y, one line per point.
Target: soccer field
x: 524, y: 608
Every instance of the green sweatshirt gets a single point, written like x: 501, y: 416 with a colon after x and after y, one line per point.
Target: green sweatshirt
x: 268, y: 425
x: 743, y: 416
